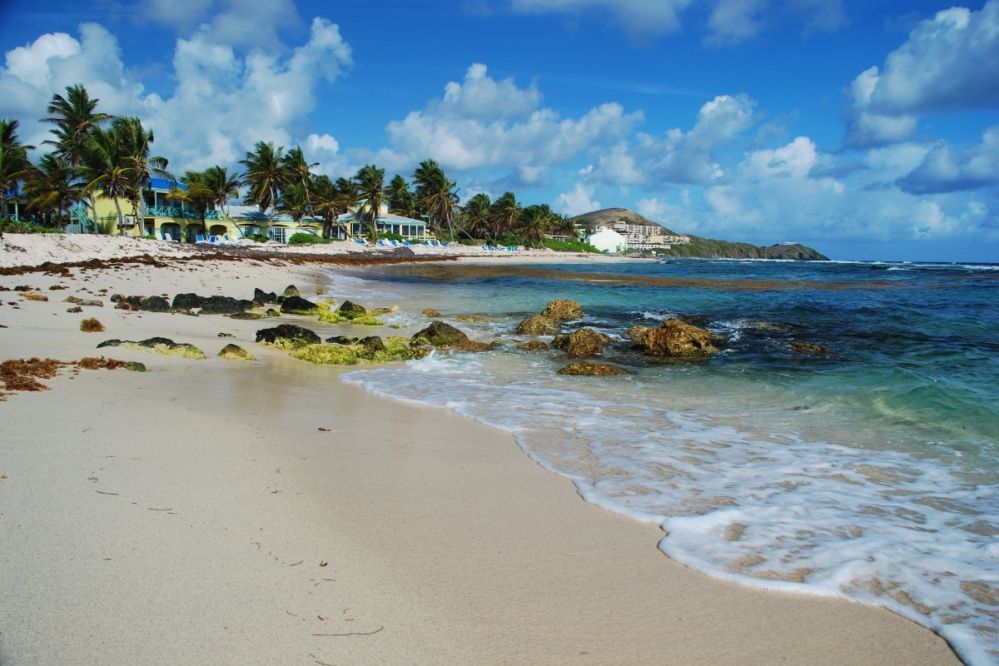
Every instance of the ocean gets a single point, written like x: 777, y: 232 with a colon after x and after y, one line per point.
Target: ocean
x: 868, y: 472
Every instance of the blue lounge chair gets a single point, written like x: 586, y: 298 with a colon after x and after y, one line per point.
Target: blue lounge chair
x: 199, y: 238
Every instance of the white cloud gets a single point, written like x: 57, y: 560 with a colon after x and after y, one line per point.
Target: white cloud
x: 940, y: 171
x: 795, y: 159
x: 221, y: 104
x: 636, y: 16
x: 735, y: 20
x: 577, y: 201
x: 519, y: 138
x: 618, y: 166
x: 484, y: 98
x: 230, y: 22
x: 177, y: 13
x: 945, y: 64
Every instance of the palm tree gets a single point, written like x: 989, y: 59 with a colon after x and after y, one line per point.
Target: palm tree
x: 370, y: 181
x: 13, y: 160
x: 348, y: 198
x: 400, y: 200
x: 265, y: 176
x: 294, y: 201
x: 75, y: 117
x: 504, y: 215
x: 196, y: 193
x: 52, y: 186
x: 107, y: 166
x: 223, y: 185
x: 135, y: 140
x: 435, y: 195
x: 475, y: 216
x: 299, y: 171
x: 534, y: 223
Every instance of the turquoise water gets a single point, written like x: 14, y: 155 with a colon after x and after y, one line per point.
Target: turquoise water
x: 868, y: 473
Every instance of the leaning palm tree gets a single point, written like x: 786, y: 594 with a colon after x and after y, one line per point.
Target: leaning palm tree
x: 265, y: 176
x: 223, y: 185
x: 435, y: 195
x: 534, y: 223
x: 107, y: 167
x: 196, y: 193
x: 135, y: 140
x: 348, y: 198
x: 331, y: 200
x: 370, y: 182
x: 53, y: 185
x: 295, y: 202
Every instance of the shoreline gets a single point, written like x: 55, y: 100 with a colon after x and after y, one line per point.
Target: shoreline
x: 425, y: 536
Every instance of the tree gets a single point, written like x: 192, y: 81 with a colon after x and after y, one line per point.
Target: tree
x: 435, y: 195
x: 13, y: 160
x: 400, y: 200
x: 196, y: 193
x: 106, y: 166
x: 295, y: 201
x: 75, y: 116
x: 504, y: 215
x: 475, y: 216
x: 535, y: 222
x: 370, y: 181
x: 223, y: 186
x: 265, y: 176
x: 331, y: 200
x: 299, y: 171
x: 53, y: 185
x: 135, y: 140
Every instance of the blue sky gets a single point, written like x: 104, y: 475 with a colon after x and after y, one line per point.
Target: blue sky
x: 867, y: 130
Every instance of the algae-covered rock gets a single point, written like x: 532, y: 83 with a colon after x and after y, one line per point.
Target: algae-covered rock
x: 287, y: 335
x: 113, y: 342
x: 160, y: 345
x: 366, y: 352
x: 211, y: 304
x: 582, y: 343
x: 533, y: 345
x: 585, y: 369
x: 675, y: 339
x: 271, y: 312
x: 76, y: 309
x: 298, y: 305
x: 248, y: 316
x: 808, y: 348
x: 439, y: 334
x: 474, y: 318
x: 135, y: 366
x: 430, y: 312
x: 291, y: 291
x: 349, y: 310
x: 373, y: 343
x: 225, y: 335
x: 235, y: 353
x: 538, y: 325
x: 562, y: 310
x: 636, y: 335
x: 261, y: 297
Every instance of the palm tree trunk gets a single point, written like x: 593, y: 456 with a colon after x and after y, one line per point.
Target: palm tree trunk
x: 93, y: 209
x: 117, y: 207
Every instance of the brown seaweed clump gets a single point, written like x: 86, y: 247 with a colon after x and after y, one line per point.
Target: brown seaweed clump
x: 91, y: 325
x: 23, y: 374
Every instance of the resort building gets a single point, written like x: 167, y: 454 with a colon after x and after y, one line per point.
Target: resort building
x: 608, y: 240
x: 387, y: 223
x: 648, y: 236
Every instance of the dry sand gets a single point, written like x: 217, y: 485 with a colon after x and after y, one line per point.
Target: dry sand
x: 197, y: 513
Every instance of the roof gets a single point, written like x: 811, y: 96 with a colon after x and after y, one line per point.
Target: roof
x: 165, y: 184
x: 384, y: 218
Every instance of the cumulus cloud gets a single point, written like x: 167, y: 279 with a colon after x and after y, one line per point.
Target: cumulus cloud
x: 944, y: 65
x: 229, y: 21
x: 941, y: 171
x: 639, y: 17
x: 678, y: 156
x: 484, y: 123
x: 221, y: 104
x: 580, y: 199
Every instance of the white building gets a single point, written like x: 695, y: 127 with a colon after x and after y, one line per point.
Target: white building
x: 608, y: 240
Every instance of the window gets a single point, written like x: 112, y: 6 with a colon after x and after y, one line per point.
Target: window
x: 280, y: 234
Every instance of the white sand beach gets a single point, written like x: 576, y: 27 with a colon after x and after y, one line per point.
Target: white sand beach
x: 264, y: 512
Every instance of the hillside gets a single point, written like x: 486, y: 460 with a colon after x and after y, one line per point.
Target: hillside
x: 699, y: 247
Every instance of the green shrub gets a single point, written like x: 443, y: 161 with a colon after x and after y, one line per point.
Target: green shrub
x: 570, y: 246
x: 305, y: 238
x: 10, y: 226
x: 260, y: 238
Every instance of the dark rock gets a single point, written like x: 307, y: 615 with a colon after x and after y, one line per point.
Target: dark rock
x: 343, y: 340
x: 430, y: 312
x: 143, y: 303
x: 271, y: 312
x: 674, y: 339
x: 538, y: 325
x: 114, y: 342
x: 439, y: 334
x: 152, y: 342
x: 291, y: 291
x: 225, y: 335
x: 808, y: 348
x: 260, y: 296
x: 90, y: 302
x: 298, y: 305
x: 75, y: 309
x: 582, y: 343
x: 562, y: 310
x: 474, y: 318
x: 351, y: 310
x: 135, y: 366
x: 247, y: 316
x: 533, y: 345
x: 235, y: 352
x: 585, y: 369
x: 373, y: 343
x: 211, y: 304
x: 288, y: 332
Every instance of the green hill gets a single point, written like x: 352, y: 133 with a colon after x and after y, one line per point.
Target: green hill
x: 698, y: 247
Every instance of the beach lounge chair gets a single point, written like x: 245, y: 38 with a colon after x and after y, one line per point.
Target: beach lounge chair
x: 199, y: 238
x: 406, y: 243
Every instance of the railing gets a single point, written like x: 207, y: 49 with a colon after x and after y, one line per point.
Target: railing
x: 178, y: 212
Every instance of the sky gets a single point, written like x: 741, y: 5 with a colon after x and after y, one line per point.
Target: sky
x: 865, y: 130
